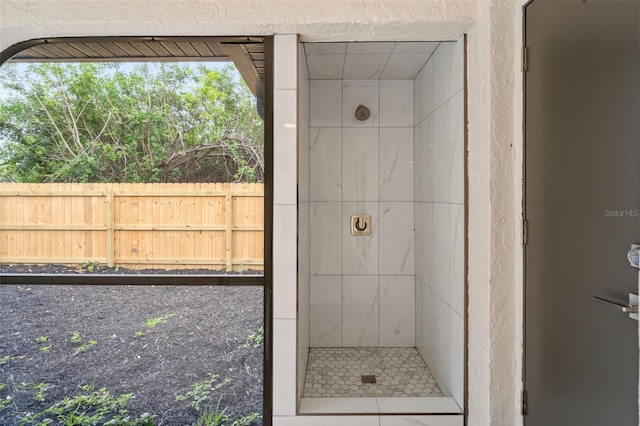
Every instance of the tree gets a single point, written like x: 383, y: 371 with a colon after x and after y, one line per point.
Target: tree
x: 95, y: 122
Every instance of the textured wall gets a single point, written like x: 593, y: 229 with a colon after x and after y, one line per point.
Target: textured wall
x: 494, y: 126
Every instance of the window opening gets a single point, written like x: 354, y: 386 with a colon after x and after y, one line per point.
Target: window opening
x: 144, y: 208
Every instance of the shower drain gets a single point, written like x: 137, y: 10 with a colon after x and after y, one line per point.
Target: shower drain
x: 368, y: 378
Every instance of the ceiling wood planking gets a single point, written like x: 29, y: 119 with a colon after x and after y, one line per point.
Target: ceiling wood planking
x: 247, y: 53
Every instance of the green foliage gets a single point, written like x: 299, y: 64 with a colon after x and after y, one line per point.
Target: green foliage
x: 139, y: 334
x: 254, y: 340
x: 46, y: 349
x: 94, y: 122
x: 221, y: 418
x: 89, y: 266
x: 90, y: 408
x: 4, y: 403
x: 42, y: 339
x: 152, y: 322
x: 40, y: 393
x: 75, y: 337
x: 5, y: 359
x: 85, y: 347
x: 201, y: 391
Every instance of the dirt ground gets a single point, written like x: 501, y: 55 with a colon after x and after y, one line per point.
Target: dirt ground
x: 199, y: 331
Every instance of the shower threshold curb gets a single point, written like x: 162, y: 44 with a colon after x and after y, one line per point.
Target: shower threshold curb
x: 380, y: 405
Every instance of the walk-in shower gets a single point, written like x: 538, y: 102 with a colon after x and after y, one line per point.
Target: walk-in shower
x: 381, y: 227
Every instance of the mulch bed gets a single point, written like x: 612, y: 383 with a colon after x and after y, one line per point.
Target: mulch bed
x: 204, y: 331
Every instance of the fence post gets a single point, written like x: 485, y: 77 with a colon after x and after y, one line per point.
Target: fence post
x: 229, y: 231
x: 110, y: 232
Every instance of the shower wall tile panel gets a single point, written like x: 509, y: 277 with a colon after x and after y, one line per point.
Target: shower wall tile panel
x: 440, y: 163
x: 325, y: 67
x: 284, y: 264
x: 403, y: 65
x: 456, y: 378
x: 438, y: 274
x: 456, y: 153
x: 285, y: 149
x: 423, y: 99
x: 456, y: 75
x: 441, y: 74
x: 424, y: 149
x: 396, y: 103
x: 441, y: 365
x: 396, y: 164
x: 326, y: 238
x: 360, y: 310
x: 326, y: 311
x: 326, y: 165
x: 360, y: 156
x: 426, y: 328
x: 396, y: 242
x: 397, y: 316
x: 364, y: 66
x: 284, y: 363
x: 456, y: 260
x: 325, y: 103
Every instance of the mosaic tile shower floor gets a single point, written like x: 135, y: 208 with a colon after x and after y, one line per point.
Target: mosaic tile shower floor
x: 336, y: 373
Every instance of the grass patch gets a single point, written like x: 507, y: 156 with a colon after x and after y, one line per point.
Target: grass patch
x: 46, y: 349
x: 201, y: 391
x: 75, y: 337
x: 90, y: 408
x: 5, y: 359
x: 255, y: 340
x: 4, y: 403
x: 85, y: 347
x: 152, y: 322
x: 42, y: 339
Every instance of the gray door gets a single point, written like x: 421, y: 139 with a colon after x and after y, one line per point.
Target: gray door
x: 581, y: 205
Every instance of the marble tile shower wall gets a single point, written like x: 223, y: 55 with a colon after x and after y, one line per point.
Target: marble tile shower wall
x: 439, y: 216
x: 303, y: 219
x: 362, y: 289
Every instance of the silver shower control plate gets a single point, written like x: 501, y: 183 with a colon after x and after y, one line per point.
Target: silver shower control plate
x: 360, y: 224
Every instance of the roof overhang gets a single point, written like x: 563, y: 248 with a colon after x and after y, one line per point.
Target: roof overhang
x: 247, y: 53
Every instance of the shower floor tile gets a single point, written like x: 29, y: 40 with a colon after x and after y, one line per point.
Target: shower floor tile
x: 336, y: 372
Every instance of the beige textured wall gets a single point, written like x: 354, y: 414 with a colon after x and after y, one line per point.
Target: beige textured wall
x: 494, y: 114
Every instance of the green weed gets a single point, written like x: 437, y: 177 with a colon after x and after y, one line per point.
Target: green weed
x: 152, y: 322
x: 216, y: 417
x: 46, y: 349
x: 5, y: 359
x: 2, y: 386
x: 254, y: 340
x: 85, y: 347
x: 139, y: 333
x: 40, y: 393
x: 4, y: 403
x: 75, y: 337
x: 90, y: 408
x: 90, y: 266
x: 201, y: 391
x: 42, y: 339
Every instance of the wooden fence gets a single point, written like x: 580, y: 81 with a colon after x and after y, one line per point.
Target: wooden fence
x: 161, y: 226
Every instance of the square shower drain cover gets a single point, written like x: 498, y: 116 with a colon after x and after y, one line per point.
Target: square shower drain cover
x: 368, y: 378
